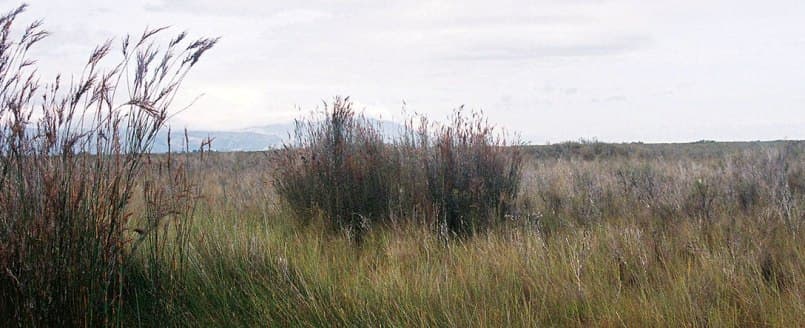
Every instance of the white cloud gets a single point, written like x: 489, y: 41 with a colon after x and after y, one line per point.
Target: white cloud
x: 662, y: 65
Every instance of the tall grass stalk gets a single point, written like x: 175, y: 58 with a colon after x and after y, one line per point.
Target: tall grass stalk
x: 70, y: 157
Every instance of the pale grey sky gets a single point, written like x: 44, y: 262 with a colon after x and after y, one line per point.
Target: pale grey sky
x: 554, y: 70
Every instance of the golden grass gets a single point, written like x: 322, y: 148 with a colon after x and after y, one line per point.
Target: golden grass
x: 253, y: 264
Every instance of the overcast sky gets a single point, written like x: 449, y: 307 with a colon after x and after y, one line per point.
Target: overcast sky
x: 617, y: 70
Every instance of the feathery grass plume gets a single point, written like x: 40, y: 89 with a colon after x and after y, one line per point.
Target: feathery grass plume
x: 70, y: 156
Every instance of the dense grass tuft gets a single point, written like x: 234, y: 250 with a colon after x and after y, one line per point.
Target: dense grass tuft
x: 343, y: 168
x: 473, y: 174
x: 338, y: 167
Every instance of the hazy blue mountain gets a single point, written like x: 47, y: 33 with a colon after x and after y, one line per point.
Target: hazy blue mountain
x: 249, y: 139
x: 221, y: 141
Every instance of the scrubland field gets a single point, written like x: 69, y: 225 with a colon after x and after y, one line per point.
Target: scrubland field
x: 452, y: 224
x: 700, y: 235
x: 705, y: 234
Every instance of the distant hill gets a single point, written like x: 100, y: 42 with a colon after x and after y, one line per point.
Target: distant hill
x: 222, y: 141
x: 249, y: 139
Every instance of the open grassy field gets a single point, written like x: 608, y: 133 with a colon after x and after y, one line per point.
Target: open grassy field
x: 705, y: 234
x: 444, y: 225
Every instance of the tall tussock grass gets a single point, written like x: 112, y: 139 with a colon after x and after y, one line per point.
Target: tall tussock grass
x: 473, y: 175
x: 338, y: 167
x: 71, y: 155
x: 461, y: 176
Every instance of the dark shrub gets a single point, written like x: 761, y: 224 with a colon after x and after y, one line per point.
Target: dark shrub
x: 464, y: 177
x: 473, y: 175
x: 339, y: 166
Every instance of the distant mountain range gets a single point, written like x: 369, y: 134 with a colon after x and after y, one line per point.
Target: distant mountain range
x: 249, y: 139
x: 221, y: 141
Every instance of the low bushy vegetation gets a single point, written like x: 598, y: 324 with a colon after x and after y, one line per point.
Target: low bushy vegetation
x: 662, y: 189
